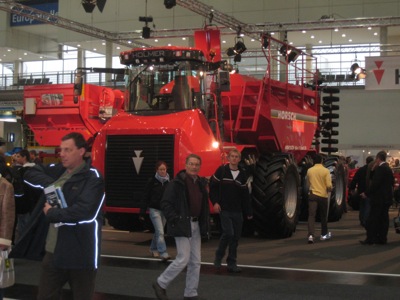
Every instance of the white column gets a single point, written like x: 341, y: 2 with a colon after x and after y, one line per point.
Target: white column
x: 109, y: 48
x: 383, y: 40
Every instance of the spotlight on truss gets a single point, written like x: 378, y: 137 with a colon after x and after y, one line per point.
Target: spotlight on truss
x: 169, y: 3
x: 89, y: 5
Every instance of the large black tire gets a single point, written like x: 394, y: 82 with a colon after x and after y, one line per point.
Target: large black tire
x: 275, y: 196
x: 338, y: 194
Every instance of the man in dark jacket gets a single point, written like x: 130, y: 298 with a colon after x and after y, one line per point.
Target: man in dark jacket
x: 73, y: 237
x: 25, y: 197
x: 359, y: 182
x: 185, y: 206
x: 380, y: 192
x: 230, y: 196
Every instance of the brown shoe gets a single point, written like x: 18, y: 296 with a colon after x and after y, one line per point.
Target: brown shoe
x: 160, y: 292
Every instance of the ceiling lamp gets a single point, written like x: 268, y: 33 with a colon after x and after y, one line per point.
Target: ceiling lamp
x: 237, y: 49
x: 169, y: 3
x: 101, y: 4
x: 89, y: 5
x: 237, y: 58
x: 239, y: 46
x: 146, y: 29
x: 146, y: 32
x: 230, y: 51
x: 290, y: 53
x: 265, y: 41
x: 357, y: 72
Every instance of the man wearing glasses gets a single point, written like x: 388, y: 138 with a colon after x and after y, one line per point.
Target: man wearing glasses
x: 185, y: 206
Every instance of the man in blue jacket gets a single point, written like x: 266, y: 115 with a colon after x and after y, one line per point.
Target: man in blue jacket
x: 73, y: 237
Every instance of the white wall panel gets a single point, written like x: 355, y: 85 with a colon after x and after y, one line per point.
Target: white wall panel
x: 369, y: 118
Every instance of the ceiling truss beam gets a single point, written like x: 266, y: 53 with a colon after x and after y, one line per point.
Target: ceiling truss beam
x: 45, y: 17
x: 229, y: 24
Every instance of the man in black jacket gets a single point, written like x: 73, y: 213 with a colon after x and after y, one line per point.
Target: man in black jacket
x: 380, y: 193
x: 230, y: 196
x: 73, y: 236
x: 185, y: 206
x: 359, y: 182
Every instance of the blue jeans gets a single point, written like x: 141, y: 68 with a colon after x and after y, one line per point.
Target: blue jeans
x: 231, y: 224
x: 158, y: 241
x: 188, y: 254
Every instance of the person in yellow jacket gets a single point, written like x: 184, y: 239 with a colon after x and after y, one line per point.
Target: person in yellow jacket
x: 320, y: 183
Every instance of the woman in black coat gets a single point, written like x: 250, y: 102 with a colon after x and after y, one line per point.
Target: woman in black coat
x: 153, y: 193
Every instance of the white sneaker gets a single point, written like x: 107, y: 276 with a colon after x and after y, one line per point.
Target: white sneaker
x: 325, y: 237
x: 311, y: 239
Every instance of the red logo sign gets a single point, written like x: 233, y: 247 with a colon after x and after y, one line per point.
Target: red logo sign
x: 379, y: 72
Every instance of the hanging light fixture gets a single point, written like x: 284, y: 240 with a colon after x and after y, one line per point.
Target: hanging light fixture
x: 89, y: 5
x: 146, y: 19
x: 265, y: 40
x: 169, y: 3
x: 237, y: 49
x: 290, y: 53
x: 240, y: 47
x: 357, y: 72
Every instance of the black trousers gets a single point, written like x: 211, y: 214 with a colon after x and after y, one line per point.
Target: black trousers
x: 316, y: 203
x: 52, y: 280
x: 378, y: 223
x: 231, y: 224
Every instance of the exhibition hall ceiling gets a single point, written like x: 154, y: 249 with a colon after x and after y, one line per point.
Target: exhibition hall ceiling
x: 336, y: 33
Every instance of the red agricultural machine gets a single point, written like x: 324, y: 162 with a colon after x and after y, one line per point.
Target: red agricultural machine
x: 52, y: 110
x: 182, y: 100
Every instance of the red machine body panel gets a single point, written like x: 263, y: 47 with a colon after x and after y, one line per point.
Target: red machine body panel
x: 187, y: 139
x: 272, y: 115
x: 51, y: 111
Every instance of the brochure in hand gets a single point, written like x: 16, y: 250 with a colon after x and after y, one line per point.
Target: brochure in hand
x: 55, y: 197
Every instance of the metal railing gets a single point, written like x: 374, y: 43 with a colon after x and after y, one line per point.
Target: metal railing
x: 337, y: 77
x: 12, y: 82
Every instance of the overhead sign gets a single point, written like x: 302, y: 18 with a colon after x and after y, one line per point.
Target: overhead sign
x: 383, y: 73
x: 18, y: 20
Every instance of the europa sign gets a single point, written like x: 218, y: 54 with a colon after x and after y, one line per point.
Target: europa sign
x: 383, y: 73
x: 20, y: 20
